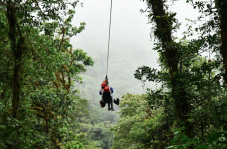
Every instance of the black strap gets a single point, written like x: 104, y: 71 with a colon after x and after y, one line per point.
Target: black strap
x: 107, y: 82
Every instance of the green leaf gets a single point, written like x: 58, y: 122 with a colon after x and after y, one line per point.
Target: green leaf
x: 203, y: 146
x: 172, y: 147
x: 188, y: 144
x: 180, y: 147
x: 214, y: 136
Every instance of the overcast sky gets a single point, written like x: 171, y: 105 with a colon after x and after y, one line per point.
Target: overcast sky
x: 129, y: 27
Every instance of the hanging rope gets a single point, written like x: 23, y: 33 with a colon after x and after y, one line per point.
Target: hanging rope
x: 109, y: 39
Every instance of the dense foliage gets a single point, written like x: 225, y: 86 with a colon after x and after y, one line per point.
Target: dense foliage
x: 44, y: 105
x: 39, y: 69
x: 191, y: 101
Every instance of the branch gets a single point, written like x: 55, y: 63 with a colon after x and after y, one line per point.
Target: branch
x: 62, y: 39
x: 36, y: 108
x: 38, y: 6
x: 68, y: 38
x: 71, y: 62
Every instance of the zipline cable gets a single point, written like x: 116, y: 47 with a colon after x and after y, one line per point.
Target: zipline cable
x: 109, y: 39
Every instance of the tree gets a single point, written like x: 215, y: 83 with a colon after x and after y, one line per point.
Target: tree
x: 39, y: 68
x: 191, y: 90
x: 139, y: 126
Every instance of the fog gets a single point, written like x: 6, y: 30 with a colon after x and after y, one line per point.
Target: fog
x: 130, y: 47
x: 130, y: 42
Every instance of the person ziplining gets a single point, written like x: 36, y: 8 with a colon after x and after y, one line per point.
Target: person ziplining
x: 106, y: 91
x: 107, y: 96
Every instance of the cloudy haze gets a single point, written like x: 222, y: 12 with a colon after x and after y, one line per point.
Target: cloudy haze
x: 129, y: 30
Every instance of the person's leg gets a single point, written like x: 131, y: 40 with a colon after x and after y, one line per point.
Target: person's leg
x: 111, y: 102
x: 118, y: 100
x: 112, y: 106
x: 109, y: 106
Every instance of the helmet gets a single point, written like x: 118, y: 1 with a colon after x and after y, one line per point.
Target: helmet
x: 106, y: 89
x: 103, y: 84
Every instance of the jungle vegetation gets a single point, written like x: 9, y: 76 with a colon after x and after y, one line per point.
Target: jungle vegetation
x: 189, y: 109
x: 47, y: 101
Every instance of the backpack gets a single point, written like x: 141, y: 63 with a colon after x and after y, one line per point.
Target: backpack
x: 106, y: 96
x: 116, y: 101
x: 102, y: 103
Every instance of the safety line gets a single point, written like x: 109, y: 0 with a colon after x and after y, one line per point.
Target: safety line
x: 109, y: 38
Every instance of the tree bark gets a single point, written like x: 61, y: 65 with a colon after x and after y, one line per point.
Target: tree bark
x: 163, y: 32
x: 17, y: 52
x: 222, y: 6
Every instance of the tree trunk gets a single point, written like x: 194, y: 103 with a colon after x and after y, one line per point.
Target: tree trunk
x: 222, y: 5
x: 17, y: 52
x: 163, y: 32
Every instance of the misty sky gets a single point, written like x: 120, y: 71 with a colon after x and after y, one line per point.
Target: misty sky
x: 129, y: 28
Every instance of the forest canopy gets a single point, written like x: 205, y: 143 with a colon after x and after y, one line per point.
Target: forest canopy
x: 48, y: 101
x: 38, y: 73
x: 189, y: 109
